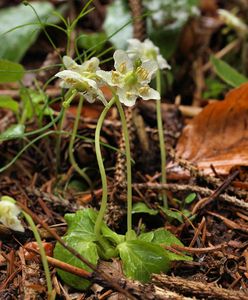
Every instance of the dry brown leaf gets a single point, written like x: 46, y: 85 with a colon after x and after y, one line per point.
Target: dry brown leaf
x: 218, y: 135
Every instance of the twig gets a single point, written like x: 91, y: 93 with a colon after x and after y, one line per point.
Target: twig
x: 199, y: 250
x: 64, y: 266
x: 197, y: 189
x: 197, y: 289
x: 216, y: 193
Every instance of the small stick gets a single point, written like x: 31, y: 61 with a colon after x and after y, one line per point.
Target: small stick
x: 198, y: 289
x: 197, y: 189
x: 64, y: 266
x: 216, y: 193
x: 199, y: 250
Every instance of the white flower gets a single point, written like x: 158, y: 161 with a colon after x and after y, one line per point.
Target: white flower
x: 131, y: 79
x: 146, y: 51
x: 8, y: 214
x: 233, y: 21
x: 82, y: 78
x: 88, y: 67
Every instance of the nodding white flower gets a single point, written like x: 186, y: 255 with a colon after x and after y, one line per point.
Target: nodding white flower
x: 9, y: 212
x: 83, y: 78
x: 146, y: 51
x: 131, y: 79
x: 233, y: 21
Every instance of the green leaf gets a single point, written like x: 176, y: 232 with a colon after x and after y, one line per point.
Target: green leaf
x: 9, y: 103
x: 81, y: 224
x: 34, y: 103
x: 19, y: 28
x: 190, y: 198
x: 112, y: 236
x: 10, y: 71
x: 94, y: 41
x: 215, y: 87
x: 227, y: 73
x: 161, y: 236
x: 141, y: 207
x: 13, y: 132
x: 141, y: 259
x: 165, y: 237
x: 173, y: 214
x: 147, y: 236
x: 87, y: 249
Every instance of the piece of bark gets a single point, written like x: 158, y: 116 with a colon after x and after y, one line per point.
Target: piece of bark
x: 197, y: 289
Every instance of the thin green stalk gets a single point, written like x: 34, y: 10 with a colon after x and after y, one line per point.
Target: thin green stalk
x: 58, y: 140
x: 66, y: 104
x: 161, y: 138
x: 101, y: 213
x: 42, y: 255
x: 72, y: 140
x: 129, y: 170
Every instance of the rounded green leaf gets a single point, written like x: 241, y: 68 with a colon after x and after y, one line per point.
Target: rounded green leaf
x: 81, y: 224
x: 87, y: 249
x: 10, y: 71
x: 141, y: 259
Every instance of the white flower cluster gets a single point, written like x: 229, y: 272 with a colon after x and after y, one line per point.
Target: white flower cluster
x: 134, y: 70
x: 9, y: 212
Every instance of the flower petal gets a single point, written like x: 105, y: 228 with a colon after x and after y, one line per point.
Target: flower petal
x: 162, y: 63
x: 134, y: 44
x: 91, y: 65
x: 134, y: 47
x: 147, y: 93
x: 126, y: 97
x: 105, y: 76
x: 69, y: 62
x: 123, y: 63
x: 68, y: 74
x: 151, y: 66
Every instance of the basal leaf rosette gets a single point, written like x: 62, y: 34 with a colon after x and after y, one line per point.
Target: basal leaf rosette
x: 146, y: 51
x: 130, y: 79
x: 82, y: 78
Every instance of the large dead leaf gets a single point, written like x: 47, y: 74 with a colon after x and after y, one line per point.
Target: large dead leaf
x: 218, y: 135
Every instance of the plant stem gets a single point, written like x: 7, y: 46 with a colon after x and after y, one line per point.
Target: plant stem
x: 60, y: 127
x: 101, y: 213
x: 58, y: 140
x: 42, y: 255
x: 129, y: 170
x: 161, y: 138
x: 72, y: 139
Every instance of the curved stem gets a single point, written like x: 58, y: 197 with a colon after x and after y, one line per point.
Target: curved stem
x: 161, y: 139
x: 100, y: 216
x: 42, y: 254
x: 129, y: 170
x: 72, y: 139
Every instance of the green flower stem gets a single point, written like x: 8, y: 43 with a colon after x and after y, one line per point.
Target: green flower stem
x: 60, y: 127
x: 58, y: 140
x: 161, y: 139
x: 101, y: 213
x: 42, y: 255
x: 72, y: 139
x: 129, y: 234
